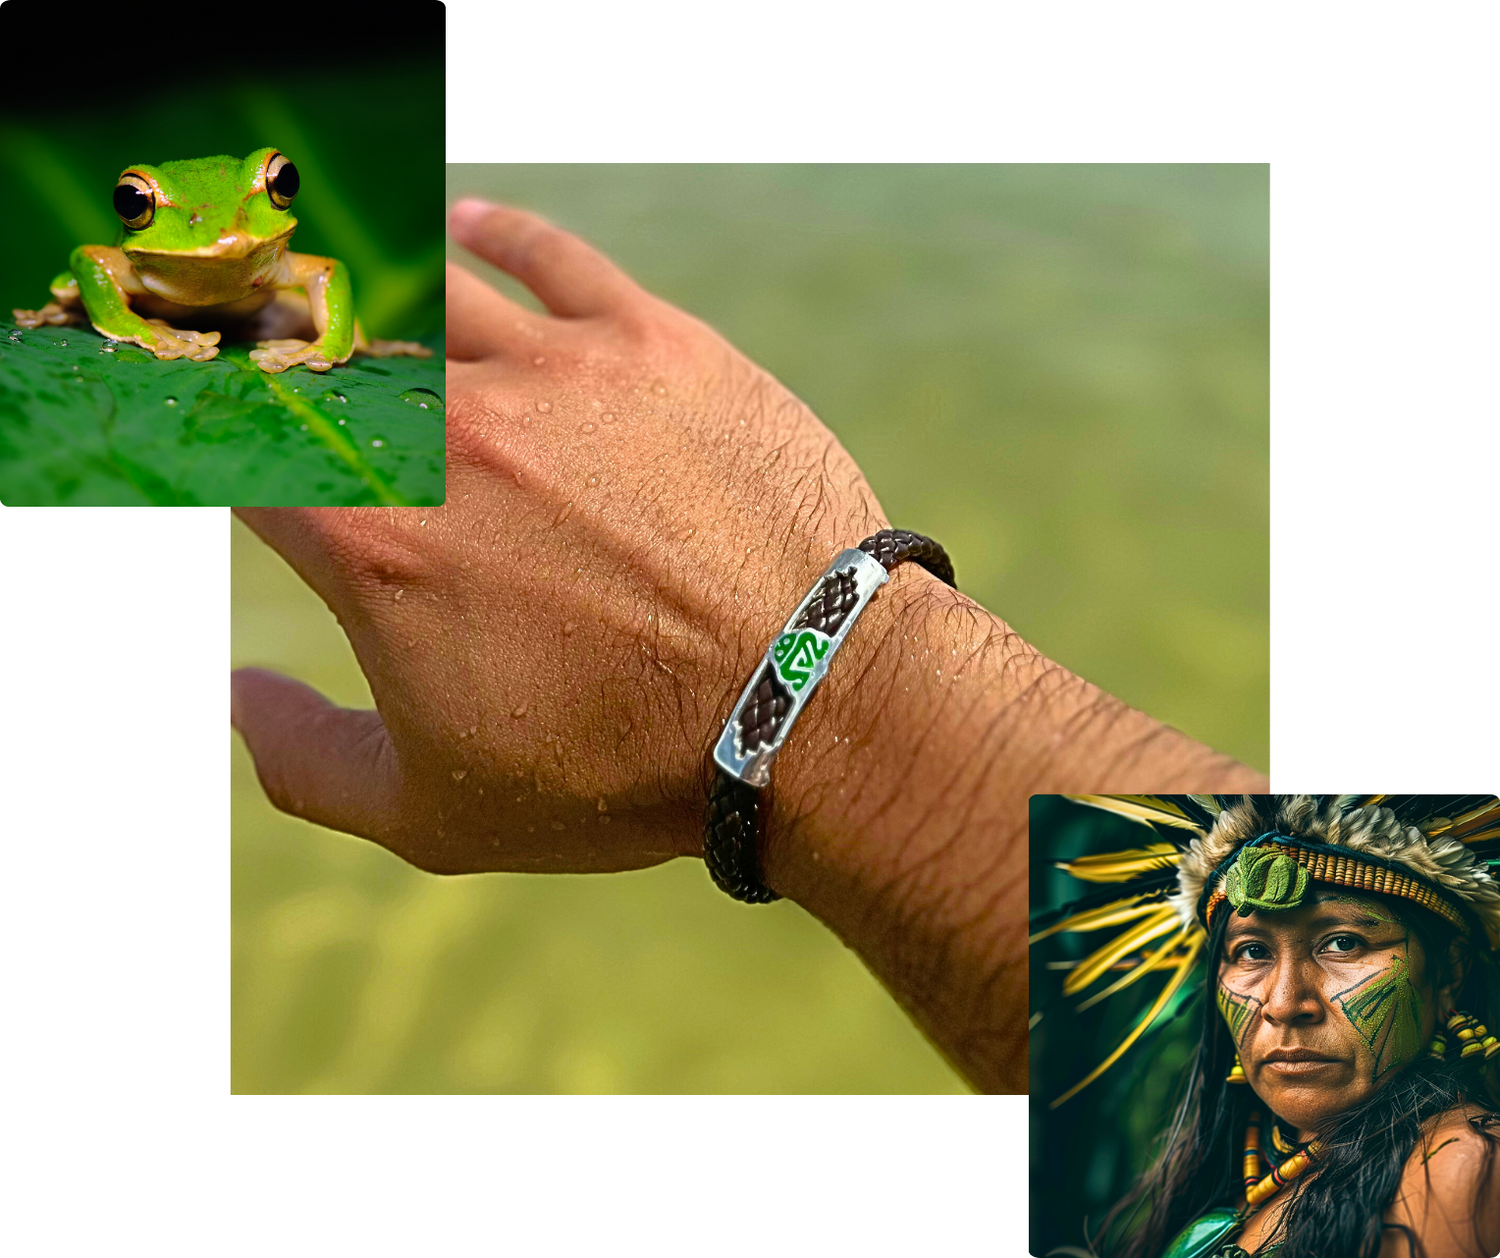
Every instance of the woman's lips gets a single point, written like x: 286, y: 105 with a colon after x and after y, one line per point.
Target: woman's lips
x: 1297, y: 1061
x: 1300, y: 1066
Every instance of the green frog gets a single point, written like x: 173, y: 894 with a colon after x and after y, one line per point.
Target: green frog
x: 203, y: 247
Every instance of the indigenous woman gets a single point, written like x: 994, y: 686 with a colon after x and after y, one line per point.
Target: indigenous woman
x: 1345, y: 1098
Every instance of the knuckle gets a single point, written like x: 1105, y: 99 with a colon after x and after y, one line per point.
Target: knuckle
x: 372, y: 547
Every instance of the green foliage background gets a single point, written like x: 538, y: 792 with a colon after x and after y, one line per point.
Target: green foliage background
x: 1059, y: 371
x: 367, y: 138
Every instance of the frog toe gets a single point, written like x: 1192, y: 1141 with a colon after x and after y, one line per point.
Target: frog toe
x: 392, y: 349
x: 51, y: 313
x: 277, y: 356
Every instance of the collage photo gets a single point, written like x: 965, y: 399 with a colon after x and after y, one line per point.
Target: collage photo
x: 842, y: 635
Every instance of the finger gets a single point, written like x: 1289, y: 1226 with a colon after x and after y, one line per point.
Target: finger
x: 483, y: 322
x: 330, y: 765
x: 571, y: 279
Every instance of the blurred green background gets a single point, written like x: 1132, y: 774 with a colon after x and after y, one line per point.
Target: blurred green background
x: 1086, y: 1153
x: 362, y: 116
x: 1059, y: 371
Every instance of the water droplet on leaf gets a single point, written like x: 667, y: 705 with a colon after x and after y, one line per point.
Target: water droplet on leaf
x: 424, y: 398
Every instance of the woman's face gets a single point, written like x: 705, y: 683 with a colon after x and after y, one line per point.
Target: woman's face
x: 1325, y: 1001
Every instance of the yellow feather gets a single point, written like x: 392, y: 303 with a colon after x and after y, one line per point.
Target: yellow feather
x: 1142, y: 808
x: 1184, y: 968
x: 1152, y: 927
x: 1121, y: 866
x: 1106, y: 915
x: 1480, y: 819
x: 1154, y: 960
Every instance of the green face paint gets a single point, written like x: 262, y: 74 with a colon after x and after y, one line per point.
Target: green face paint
x: 1386, y: 1010
x: 1372, y: 910
x: 1237, y: 1010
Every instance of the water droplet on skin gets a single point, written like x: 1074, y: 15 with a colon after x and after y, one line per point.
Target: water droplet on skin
x: 661, y: 390
x: 588, y: 428
x: 518, y: 712
x: 544, y: 407
x: 593, y: 480
x: 685, y: 534
x: 602, y: 806
x: 563, y: 515
x: 460, y: 774
x: 473, y: 729
x: 609, y: 417
x: 558, y: 825
x: 410, y: 642
x: 525, y: 419
x: 398, y: 594
x: 422, y: 524
x: 569, y: 627
x: 171, y: 401
x: 538, y: 361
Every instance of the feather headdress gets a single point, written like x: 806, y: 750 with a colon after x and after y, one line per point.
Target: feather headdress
x: 1439, y: 851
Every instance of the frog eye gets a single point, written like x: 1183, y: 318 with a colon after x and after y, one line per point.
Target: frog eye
x: 135, y: 201
x: 282, y: 181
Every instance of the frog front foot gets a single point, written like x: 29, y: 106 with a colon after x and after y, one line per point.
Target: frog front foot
x: 274, y: 356
x: 169, y: 342
x: 394, y: 349
x: 51, y: 313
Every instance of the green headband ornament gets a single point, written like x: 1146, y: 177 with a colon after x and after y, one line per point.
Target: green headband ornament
x: 1263, y: 878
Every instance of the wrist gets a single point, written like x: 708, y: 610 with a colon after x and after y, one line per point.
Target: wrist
x: 897, y: 811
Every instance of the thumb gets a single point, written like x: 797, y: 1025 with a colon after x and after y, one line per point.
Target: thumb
x: 330, y: 765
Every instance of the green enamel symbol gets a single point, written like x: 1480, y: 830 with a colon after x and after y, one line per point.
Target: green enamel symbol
x: 795, y: 654
x: 1263, y: 878
x: 1386, y: 1010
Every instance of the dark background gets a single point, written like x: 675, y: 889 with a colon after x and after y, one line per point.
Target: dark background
x: 355, y: 99
x: 1086, y: 1153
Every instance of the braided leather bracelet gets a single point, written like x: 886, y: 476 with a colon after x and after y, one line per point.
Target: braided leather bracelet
x: 796, y: 661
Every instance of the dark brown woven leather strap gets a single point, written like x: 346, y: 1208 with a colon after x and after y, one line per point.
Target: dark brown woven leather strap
x: 731, y: 832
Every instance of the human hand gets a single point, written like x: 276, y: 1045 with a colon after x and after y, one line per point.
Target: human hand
x: 633, y: 509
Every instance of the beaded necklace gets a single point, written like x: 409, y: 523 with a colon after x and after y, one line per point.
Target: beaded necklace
x: 1258, y: 1189
x: 1209, y: 1234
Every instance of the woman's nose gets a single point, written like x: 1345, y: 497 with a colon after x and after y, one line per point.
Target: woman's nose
x: 1294, y: 996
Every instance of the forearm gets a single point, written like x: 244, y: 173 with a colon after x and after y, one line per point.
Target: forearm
x: 899, y: 814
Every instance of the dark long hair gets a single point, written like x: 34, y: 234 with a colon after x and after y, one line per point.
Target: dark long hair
x: 1336, y: 1211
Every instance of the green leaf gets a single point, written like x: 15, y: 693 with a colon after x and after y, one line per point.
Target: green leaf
x: 83, y: 426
